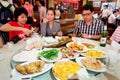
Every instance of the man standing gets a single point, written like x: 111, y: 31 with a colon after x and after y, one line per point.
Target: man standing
x: 88, y: 27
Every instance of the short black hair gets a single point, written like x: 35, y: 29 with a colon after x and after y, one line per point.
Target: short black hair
x: 27, y: 1
x: 105, y: 5
x: 88, y: 7
x: 19, y: 11
x: 42, y: 3
x: 116, y: 10
x: 52, y: 9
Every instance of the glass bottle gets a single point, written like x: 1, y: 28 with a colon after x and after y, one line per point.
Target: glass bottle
x: 103, y: 37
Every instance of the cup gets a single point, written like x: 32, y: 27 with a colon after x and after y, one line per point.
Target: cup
x: 10, y: 46
x: 54, y: 34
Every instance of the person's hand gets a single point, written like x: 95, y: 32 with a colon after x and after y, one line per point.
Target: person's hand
x: 60, y: 33
x: 85, y: 36
x: 45, y: 20
x: 26, y: 31
x: 35, y: 29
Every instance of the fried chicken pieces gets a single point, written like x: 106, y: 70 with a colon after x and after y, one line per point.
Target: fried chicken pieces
x: 92, y: 63
x: 30, y: 68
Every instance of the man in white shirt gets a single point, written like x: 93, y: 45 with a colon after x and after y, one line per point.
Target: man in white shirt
x: 112, y: 19
x: 104, y: 14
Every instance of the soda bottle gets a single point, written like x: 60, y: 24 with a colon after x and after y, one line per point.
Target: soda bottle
x: 103, y: 37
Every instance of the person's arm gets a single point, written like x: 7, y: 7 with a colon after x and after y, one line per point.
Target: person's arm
x: 96, y: 37
x: 59, y: 31
x: 43, y: 29
x: 1, y: 43
x: 7, y: 27
x: 77, y: 32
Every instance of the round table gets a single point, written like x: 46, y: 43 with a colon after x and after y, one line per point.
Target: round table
x: 49, y: 76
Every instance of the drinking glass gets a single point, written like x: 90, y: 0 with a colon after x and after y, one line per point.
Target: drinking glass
x: 111, y: 59
x: 54, y: 34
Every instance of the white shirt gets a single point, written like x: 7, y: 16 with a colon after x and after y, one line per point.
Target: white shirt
x: 112, y: 19
x: 105, y: 13
x: 42, y: 9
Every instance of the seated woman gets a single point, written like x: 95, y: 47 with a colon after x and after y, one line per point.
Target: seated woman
x: 18, y: 27
x: 49, y: 26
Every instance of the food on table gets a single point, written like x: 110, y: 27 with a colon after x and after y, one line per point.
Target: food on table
x: 35, y: 45
x: 88, y: 45
x: 94, y: 53
x: 30, y: 68
x: 21, y: 69
x: 76, y: 46
x: 61, y: 42
x: 49, y: 54
x: 66, y: 52
x: 91, y: 63
x: 65, y: 39
x: 63, y: 69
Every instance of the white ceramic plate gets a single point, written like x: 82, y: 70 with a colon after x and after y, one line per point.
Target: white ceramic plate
x: 103, y: 69
x: 46, y: 67
x: 83, y: 54
x: 84, y: 47
x: 67, y: 56
x: 26, y: 56
x: 70, y: 76
x: 54, y: 60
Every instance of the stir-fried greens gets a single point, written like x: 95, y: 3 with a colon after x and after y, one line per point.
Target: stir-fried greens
x: 49, y: 54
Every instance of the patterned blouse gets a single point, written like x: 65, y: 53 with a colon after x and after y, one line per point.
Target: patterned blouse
x: 116, y: 35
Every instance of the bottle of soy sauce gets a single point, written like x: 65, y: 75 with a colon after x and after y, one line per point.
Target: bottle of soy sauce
x: 103, y: 37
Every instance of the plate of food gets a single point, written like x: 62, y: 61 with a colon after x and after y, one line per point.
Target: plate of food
x: 88, y: 45
x: 76, y: 46
x: 94, y: 53
x: 31, y: 69
x: 91, y: 64
x: 68, y: 53
x: 24, y: 56
x: 64, y: 39
x: 65, y: 69
x: 35, y: 44
x: 50, y: 55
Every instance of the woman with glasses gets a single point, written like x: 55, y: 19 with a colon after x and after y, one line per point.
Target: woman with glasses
x: 88, y: 27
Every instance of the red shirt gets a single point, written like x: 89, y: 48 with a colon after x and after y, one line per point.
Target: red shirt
x: 14, y: 33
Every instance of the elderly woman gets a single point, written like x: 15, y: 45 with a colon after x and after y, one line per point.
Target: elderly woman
x: 18, y: 27
x: 49, y: 26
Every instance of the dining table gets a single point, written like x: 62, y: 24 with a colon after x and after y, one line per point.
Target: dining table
x: 9, y: 50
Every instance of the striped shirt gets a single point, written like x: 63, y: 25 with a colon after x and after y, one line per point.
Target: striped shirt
x: 95, y: 28
x: 116, y: 35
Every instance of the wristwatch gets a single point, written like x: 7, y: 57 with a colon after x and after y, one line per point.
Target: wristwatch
x: 89, y: 36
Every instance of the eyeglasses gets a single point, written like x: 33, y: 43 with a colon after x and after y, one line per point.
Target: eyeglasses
x: 88, y: 14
